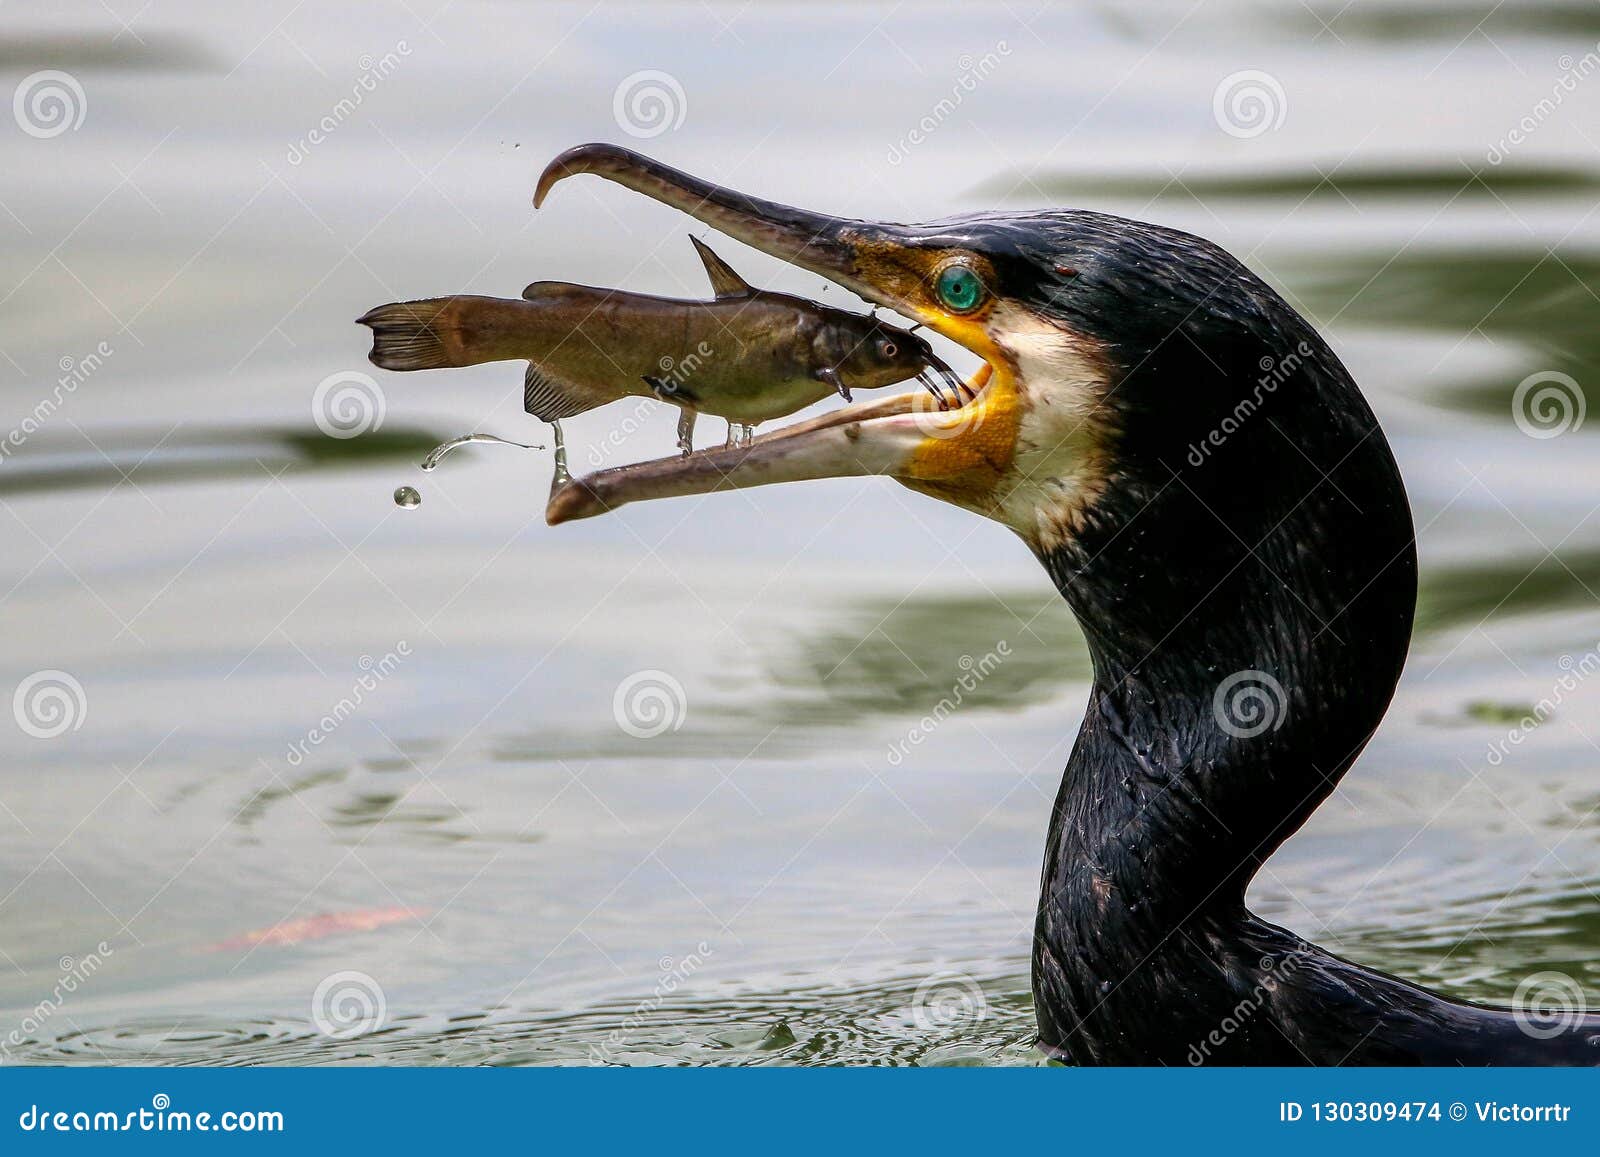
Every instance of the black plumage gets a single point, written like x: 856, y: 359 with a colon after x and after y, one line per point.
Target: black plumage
x: 1254, y: 527
x: 1211, y: 494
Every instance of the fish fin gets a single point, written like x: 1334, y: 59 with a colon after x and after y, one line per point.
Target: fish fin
x: 550, y: 399
x: 724, y: 281
x: 670, y: 391
x: 546, y: 290
x: 415, y: 335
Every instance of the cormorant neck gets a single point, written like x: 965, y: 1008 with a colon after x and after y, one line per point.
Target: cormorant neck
x: 1248, y: 611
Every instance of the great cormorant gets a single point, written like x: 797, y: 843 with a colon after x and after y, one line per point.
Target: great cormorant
x: 1206, y: 486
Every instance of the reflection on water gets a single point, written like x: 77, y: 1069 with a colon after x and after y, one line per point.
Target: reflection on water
x: 884, y: 656
x: 863, y: 700
x: 196, y: 454
x: 1350, y: 181
x: 1541, y: 302
x: 152, y: 52
x: 1435, y: 22
x: 1470, y: 593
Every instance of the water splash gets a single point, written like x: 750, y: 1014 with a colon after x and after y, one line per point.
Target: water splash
x: 439, y: 453
x: 407, y: 498
x: 562, y: 475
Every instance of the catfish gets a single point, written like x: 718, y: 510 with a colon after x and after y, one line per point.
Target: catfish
x: 747, y: 355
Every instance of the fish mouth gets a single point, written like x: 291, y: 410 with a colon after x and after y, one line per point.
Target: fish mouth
x: 957, y: 451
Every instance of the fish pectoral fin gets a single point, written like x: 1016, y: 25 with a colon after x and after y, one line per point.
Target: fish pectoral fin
x: 550, y: 399
x: 670, y: 391
x: 831, y: 376
x: 724, y: 281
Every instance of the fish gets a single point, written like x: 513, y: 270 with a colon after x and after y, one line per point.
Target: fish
x: 746, y: 355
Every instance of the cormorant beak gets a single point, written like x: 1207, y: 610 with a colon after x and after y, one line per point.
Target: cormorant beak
x: 958, y: 454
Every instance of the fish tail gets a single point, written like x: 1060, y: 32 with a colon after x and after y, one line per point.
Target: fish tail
x: 444, y: 331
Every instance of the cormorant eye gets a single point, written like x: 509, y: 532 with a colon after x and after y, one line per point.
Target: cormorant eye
x: 960, y: 289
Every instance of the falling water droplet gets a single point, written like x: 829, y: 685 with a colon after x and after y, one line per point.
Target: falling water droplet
x: 560, y: 476
x: 439, y: 452
x: 686, y: 419
x: 407, y: 498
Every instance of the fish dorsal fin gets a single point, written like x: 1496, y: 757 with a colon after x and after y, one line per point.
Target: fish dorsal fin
x: 724, y: 281
x: 543, y: 290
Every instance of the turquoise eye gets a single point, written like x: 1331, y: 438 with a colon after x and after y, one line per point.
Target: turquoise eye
x: 960, y: 289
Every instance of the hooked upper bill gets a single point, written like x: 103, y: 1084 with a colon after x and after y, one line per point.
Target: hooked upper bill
x: 960, y: 454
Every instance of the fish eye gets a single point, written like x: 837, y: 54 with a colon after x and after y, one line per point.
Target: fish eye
x: 960, y: 289
x: 887, y: 348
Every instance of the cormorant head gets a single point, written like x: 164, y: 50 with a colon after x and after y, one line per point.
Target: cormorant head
x: 1151, y: 418
x: 1193, y: 465
x: 1030, y: 449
